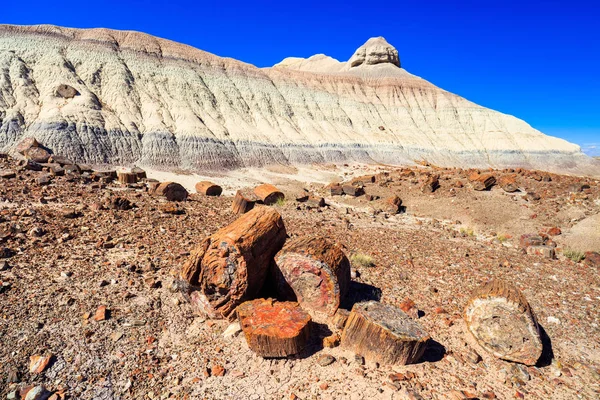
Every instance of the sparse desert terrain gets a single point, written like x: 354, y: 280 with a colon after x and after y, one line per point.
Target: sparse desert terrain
x: 89, y: 273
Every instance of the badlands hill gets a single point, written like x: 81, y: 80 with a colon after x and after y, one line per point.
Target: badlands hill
x: 103, y: 96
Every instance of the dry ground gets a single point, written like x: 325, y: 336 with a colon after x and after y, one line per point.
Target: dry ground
x: 152, y: 345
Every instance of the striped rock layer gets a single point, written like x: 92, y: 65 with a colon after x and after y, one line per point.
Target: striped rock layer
x: 103, y: 96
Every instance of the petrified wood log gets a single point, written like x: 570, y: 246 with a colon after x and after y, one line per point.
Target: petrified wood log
x: 274, y: 329
x: 230, y: 266
x: 126, y: 177
x: 269, y: 194
x: 393, y: 205
x: 482, y: 181
x: 172, y: 191
x: 139, y: 173
x: 384, y: 333
x: 208, y: 188
x: 336, y: 189
x: 242, y: 203
x: 431, y: 184
x: 500, y: 319
x: 313, y: 271
x: 353, y: 190
x: 508, y: 183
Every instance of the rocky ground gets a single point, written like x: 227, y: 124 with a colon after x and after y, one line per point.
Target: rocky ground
x: 88, y: 270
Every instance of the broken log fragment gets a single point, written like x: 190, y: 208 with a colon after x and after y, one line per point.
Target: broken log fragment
x: 336, y: 189
x: 383, y: 333
x: 508, y: 183
x: 502, y: 322
x: 315, y: 202
x: 431, y: 184
x: 393, y: 205
x: 482, y: 182
x: 172, y: 191
x: 208, y: 188
x: 26, y: 144
x: 139, y: 173
x: 313, y: 271
x: 274, y: 329
x: 126, y: 177
x: 230, y: 266
x: 242, y: 203
x: 37, y: 154
x: 269, y: 194
x: 352, y: 190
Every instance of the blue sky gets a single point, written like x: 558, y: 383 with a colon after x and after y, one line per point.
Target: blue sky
x: 537, y: 60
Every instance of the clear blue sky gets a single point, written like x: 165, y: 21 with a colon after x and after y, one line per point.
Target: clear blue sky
x: 537, y: 60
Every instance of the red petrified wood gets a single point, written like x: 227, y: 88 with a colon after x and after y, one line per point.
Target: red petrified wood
x: 502, y: 322
x: 230, y: 266
x: 274, y: 329
x: 172, y: 191
x: 384, y: 333
x: 315, y: 272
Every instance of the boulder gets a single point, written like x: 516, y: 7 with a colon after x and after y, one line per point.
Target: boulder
x: 26, y: 144
x: 230, y: 266
x: 274, y: 329
x: 37, y: 154
x: 500, y: 319
x: 393, y: 205
x: 65, y: 91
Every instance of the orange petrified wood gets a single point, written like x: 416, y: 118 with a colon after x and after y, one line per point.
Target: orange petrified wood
x: 313, y: 271
x: 274, y: 329
x: 230, y: 266
x: 242, y: 203
x: 384, y: 333
x: 501, y: 320
x: 269, y: 194
x: 208, y: 188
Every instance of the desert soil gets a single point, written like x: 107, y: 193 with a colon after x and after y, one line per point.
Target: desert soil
x: 151, y: 345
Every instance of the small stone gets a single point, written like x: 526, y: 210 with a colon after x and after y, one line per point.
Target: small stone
x: 472, y: 356
x: 360, y: 360
x: 38, y: 364
x: 100, y: 314
x: 232, y: 330
x: 331, y: 340
x: 324, y: 386
x: 218, y: 370
x: 325, y: 360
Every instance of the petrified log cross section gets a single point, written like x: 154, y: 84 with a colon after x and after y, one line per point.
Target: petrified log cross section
x: 230, y: 266
x: 313, y: 271
x: 274, y: 329
x: 500, y: 319
x: 384, y: 333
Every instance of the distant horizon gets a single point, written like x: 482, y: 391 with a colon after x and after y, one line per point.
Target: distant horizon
x: 506, y: 56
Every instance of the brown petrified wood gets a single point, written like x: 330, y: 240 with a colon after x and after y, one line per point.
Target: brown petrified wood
x: 313, y: 271
x: 482, y: 181
x: 269, y: 194
x: 274, y: 329
x: 27, y: 144
x: 126, y: 177
x: 353, y: 190
x: 230, y: 266
x: 502, y: 322
x: 336, y: 189
x: 393, y: 205
x: 431, y: 184
x: 383, y: 333
x: 242, y: 203
x: 172, y: 191
x: 508, y: 183
x: 208, y: 188
x: 139, y: 173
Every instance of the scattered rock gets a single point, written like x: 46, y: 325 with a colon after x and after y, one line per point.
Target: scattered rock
x: 26, y: 144
x: 325, y: 360
x: 482, y: 182
x: 101, y: 313
x: 7, y: 174
x: 592, y: 259
x: 37, y: 154
x: 431, y: 184
x: 37, y: 363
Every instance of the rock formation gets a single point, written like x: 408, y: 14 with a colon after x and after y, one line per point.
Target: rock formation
x: 102, y: 96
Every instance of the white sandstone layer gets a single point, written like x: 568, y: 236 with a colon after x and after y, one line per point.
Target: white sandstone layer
x: 154, y: 102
